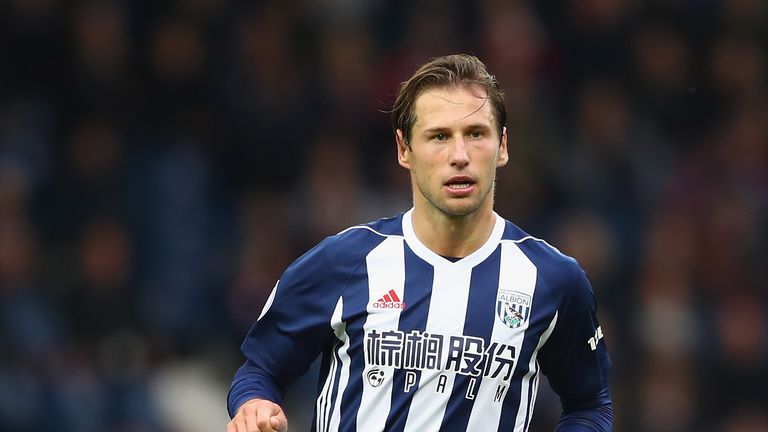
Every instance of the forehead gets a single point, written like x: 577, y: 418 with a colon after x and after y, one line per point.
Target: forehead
x: 449, y: 106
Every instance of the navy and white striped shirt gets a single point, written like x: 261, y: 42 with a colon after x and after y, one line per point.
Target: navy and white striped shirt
x: 412, y: 341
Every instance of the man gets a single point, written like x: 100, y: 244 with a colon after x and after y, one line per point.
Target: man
x: 441, y: 318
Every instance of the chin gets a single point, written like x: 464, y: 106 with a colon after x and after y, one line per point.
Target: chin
x: 460, y: 210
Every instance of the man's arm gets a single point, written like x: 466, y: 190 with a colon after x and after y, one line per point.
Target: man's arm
x: 251, y: 382
x: 291, y: 331
x: 576, y: 362
x: 594, y: 419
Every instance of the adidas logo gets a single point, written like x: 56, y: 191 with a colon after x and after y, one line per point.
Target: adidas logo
x: 390, y: 300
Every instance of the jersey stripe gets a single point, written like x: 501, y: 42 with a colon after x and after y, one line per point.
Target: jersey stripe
x: 418, y: 287
x: 355, y: 300
x: 342, y: 352
x: 534, y: 366
x: 447, y: 309
x: 484, y: 275
x: 324, y: 400
x: 524, y: 279
x: 386, y: 271
x: 516, y: 273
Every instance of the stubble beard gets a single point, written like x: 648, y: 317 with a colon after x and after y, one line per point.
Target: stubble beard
x: 442, y: 205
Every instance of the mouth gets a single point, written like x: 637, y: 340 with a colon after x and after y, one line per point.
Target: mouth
x: 460, y: 185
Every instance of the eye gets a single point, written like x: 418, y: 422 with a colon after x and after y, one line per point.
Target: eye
x: 476, y: 134
x: 440, y: 137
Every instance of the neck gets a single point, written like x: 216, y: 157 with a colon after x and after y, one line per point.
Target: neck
x: 453, y: 236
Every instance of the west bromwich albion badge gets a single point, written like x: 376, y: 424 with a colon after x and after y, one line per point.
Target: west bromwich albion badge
x: 513, y: 308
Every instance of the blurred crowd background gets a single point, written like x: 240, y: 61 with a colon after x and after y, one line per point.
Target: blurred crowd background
x: 162, y: 162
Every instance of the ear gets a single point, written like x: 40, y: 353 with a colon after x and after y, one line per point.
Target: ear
x: 403, y: 151
x: 503, y: 156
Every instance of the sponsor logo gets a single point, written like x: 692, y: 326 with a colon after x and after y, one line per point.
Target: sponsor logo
x: 441, y: 386
x: 389, y: 300
x: 448, y: 355
x: 513, y: 308
x: 375, y: 377
x: 465, y: 355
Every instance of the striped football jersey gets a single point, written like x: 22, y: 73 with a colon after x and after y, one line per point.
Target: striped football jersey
x: 413, y: 341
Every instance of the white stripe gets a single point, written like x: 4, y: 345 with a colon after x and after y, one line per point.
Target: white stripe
x: 340, y: 328
x: 540, y: 241
x: 386, y: 271
x: 269, y: 302
x: 369, y: 229
x: 517, y: 273
x: 447, y: 310
x: 324, y: 399
x: 535, y: 391
x: 533, y: 368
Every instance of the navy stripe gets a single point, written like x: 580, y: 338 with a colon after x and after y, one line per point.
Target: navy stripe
x: 478, y: 322
x: 419, y: 278
x: 511, y: 402
x: 355, y: 302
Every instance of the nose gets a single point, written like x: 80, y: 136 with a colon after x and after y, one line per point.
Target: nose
x: 459, y: 153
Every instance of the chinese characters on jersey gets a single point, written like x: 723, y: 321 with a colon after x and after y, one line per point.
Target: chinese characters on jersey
x: 465, y: 355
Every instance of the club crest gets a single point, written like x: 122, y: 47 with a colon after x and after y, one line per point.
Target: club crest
x: 513, y: 308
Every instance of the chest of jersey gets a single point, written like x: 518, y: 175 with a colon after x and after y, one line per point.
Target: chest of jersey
x: 426, y: 344
x: 438, y: 320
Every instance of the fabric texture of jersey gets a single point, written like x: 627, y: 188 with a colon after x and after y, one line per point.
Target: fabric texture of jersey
x: 412, y: 341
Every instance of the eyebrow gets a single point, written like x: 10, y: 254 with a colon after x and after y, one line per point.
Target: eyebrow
x: 473, y: 126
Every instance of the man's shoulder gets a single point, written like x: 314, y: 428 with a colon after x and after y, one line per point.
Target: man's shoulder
x: 547, y: 258
x: 358, y: 240
x: 341, y: 253
x: 381, y: 228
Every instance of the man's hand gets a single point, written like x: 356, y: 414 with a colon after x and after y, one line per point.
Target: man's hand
x: 259, y: 415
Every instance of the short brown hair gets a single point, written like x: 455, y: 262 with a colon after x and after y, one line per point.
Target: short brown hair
x: 448, y: 71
